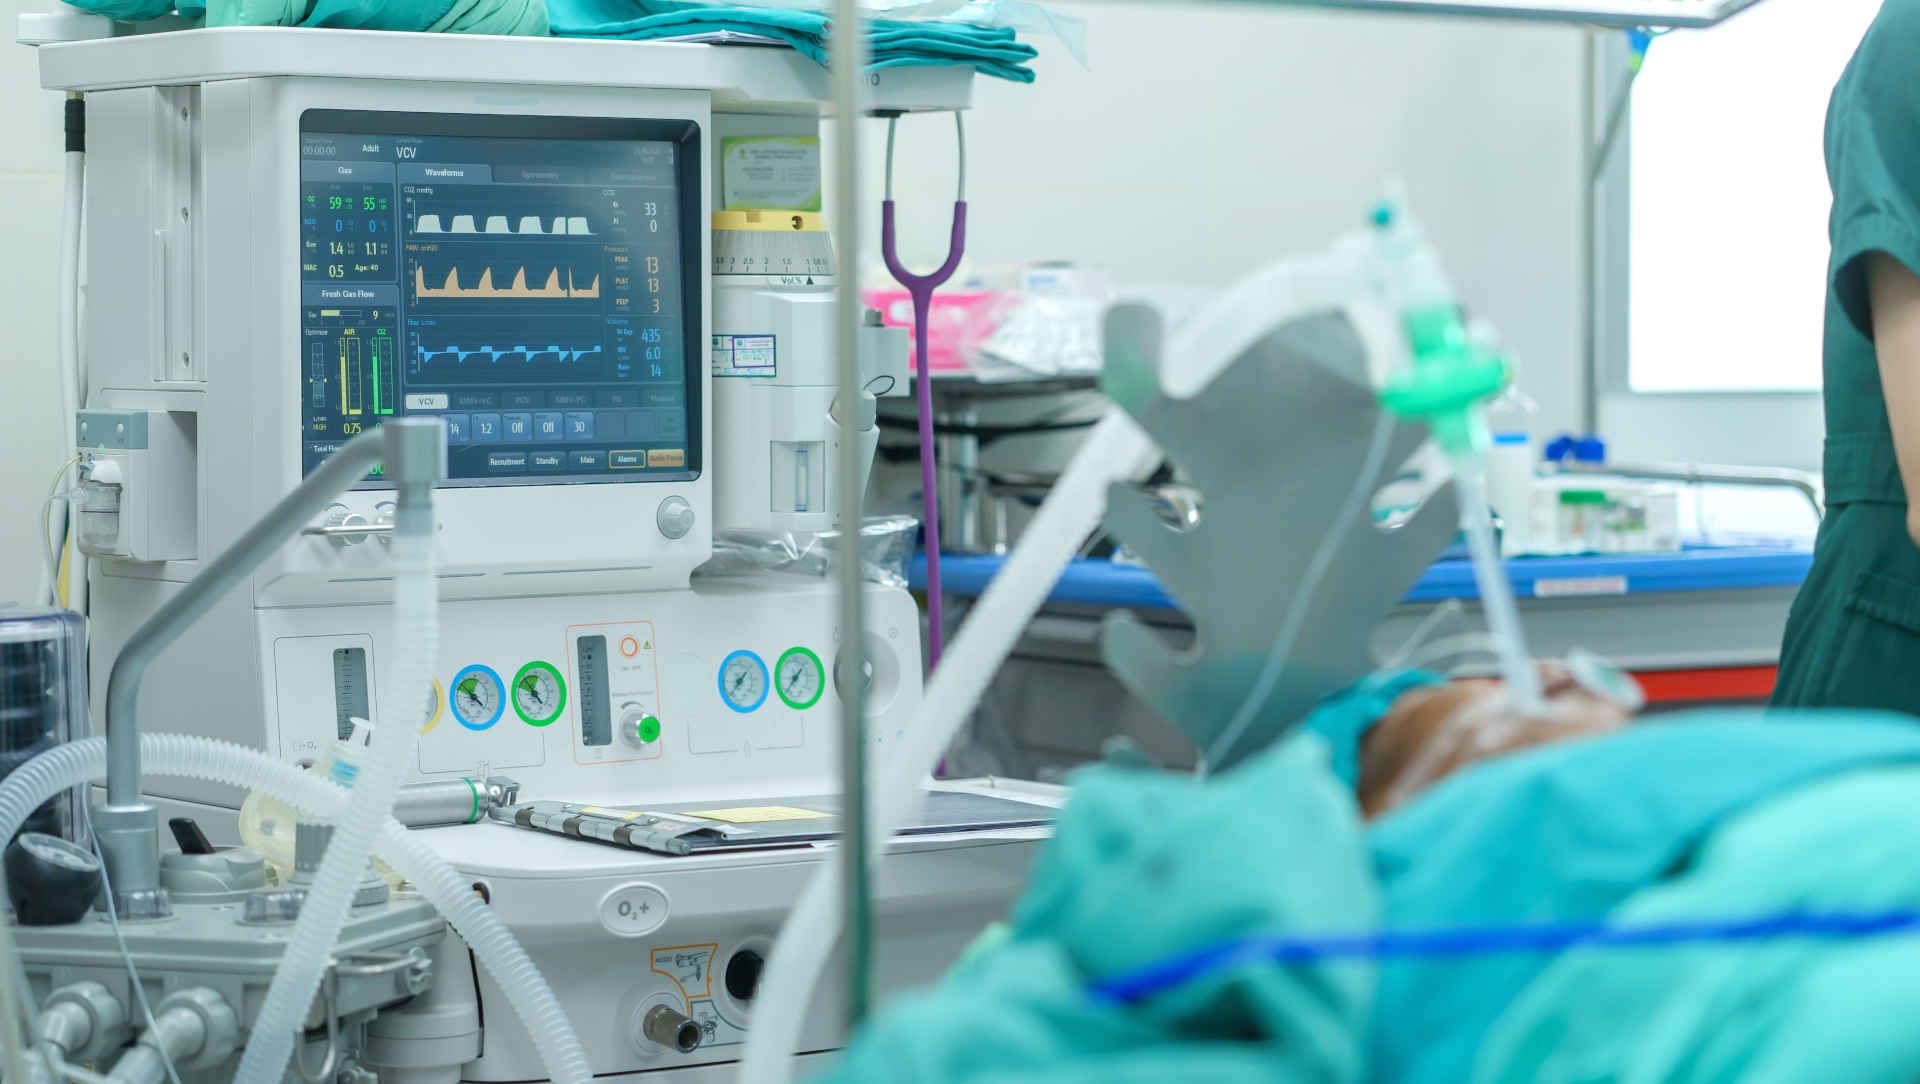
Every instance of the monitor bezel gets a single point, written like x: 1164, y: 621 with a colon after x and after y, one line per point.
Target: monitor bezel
x: 687, y: 137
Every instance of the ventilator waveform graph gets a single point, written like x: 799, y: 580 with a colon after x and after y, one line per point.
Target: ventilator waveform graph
x: 460, y: 355
x: 544, y: 214
x: 482, y: 225
x: 465, y: 350
x: 525, y: 283
x: 506, y: 362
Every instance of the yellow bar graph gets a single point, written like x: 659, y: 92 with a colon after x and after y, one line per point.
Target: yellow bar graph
x: 352, y: 386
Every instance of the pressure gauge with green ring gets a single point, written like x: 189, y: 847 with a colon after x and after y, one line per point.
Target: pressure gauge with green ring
x: 800, y: 678
x: 539, y: 693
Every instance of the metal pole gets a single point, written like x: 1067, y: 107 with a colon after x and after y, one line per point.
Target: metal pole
x: 848, y: 56
x: 126, y: 826
x: 1802, y: 482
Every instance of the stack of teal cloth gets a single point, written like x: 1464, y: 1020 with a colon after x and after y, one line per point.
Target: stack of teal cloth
x: 892, y: 43
x: 516, y: 17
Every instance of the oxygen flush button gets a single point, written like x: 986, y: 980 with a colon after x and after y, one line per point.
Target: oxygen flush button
x: 633, y: 910
x: 674, y: 517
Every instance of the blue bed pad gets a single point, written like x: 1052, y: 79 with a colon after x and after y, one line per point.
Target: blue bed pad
x: 1698, y: 568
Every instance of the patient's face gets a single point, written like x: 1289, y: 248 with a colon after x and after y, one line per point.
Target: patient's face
x: 1433, y: 732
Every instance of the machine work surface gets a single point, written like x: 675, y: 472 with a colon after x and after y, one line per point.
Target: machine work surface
x: 686, y: 828
x: 509, y: 853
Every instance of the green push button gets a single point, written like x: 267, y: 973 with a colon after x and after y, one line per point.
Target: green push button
x: 649, y: 730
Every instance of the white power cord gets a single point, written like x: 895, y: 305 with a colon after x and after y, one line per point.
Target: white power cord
x: 52, y: 543
x: 73, y: 383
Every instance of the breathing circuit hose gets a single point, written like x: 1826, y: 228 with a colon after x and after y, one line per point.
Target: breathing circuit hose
x: 995, y: 622
x: 526, y: 990
x: 310, y: 946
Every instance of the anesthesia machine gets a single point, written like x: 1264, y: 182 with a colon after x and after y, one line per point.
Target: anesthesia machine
x: 598, y: 272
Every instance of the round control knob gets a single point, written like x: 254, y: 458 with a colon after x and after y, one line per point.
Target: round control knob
x: 675, y: 517
x: 340, y: 515
x: 638, y: 727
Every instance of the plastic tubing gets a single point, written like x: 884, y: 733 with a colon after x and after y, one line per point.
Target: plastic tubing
x: 533, y: 1001
x: 1496, y: 593
x: 1358, y: 498
x: 416, y: 596
x: 1072, y: 509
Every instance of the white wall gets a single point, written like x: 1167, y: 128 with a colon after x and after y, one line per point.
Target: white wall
x: 1205, y: 140
x: 30, y: 162
x: 1208, y: 139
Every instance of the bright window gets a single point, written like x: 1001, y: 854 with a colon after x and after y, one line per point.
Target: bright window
x: 1728, y: 235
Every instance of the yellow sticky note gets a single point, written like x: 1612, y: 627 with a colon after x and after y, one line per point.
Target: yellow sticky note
x: 623, y: 814
x: 758, y: 814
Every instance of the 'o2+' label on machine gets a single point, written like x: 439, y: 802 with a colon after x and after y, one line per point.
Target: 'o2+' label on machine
x: 745, y: 355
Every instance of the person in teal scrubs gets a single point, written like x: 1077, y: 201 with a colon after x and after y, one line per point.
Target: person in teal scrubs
x: 1853, y: 637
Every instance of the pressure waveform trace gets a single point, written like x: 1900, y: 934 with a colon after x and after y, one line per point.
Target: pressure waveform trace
x: 556, y: 286
x: 482, y: 225
x: 425, y: 356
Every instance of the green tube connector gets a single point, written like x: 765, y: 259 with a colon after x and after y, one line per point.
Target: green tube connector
x: 1448, y: 382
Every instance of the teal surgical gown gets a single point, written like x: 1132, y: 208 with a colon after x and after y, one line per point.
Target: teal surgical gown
x: 520, y: 17
x: 1853, y: 638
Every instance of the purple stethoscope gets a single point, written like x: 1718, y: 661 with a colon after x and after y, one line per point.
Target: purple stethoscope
x: 920, y: 288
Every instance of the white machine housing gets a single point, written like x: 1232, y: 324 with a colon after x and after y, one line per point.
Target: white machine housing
x: 138, y: 499
x: 194, y: 309
x: 778, y: 465
x: 775, y: 375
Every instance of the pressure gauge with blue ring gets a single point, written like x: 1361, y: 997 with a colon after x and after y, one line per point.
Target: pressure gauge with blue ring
x: 477, y: 697
x: 744, y: 681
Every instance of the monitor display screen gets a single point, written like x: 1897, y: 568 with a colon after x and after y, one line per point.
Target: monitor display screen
x: 534, y: 281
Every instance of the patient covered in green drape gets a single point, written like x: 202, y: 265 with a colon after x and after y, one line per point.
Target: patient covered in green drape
x: 1478, y: 817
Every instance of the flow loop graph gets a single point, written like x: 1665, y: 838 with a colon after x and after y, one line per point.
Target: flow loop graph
x: 429, y: 357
